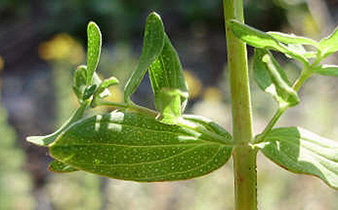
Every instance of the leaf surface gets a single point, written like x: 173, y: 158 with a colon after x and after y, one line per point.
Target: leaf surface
x: 260, y: 39
x: 292, y: 39
x: 94, y: 50
x: 168, y: 84
x: 329, y: 45
x: 152, y: 46
x: 137, y: 147
x: 271, y: 78
x: 301, y: 151
x: 327, y: 70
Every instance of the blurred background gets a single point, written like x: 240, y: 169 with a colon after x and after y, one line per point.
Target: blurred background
x: 42, y: 42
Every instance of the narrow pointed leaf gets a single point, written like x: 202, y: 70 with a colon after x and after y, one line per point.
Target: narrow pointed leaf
x: 327, y: 70
x: 60, y: 167
x: 152, y: 46
x: 168, y: 84
x: 301, y: 151
x: 137, y: 147
x: 94, y: 50
x: 260, y: 39
x: 329, y: 45
x: 80, y: 81
x: 292, y: 39
x: 271, y: 78
x: 48, y: 139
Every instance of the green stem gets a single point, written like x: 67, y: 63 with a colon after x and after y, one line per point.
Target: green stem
x: 244, y: 155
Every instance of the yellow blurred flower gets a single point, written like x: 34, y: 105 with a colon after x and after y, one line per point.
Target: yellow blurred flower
x: 62, y: 47
x: 194, y: 84
x: 2, y: 63
x: 212, y: 94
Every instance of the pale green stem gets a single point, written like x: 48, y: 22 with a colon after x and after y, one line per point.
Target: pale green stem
x: 244, y: 155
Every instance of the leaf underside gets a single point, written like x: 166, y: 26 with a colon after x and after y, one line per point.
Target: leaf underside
x: 94, y: 50
x: 136, y: 147
x: 152, y: 46
x: 302, y: 151
x: 60, y: 167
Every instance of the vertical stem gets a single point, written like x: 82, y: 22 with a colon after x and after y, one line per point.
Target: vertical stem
x: 244, y: 155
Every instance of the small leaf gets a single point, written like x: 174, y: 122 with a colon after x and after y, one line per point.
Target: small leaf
x: 254, y: 37
x: 301, y: 151
x: 168, y: 84
x: 89, y: 91
x: 60, y: 167
x: 327, y: 70
x: 152, y: 46
x: 94, y: 50
x: 292, y: 39
x: 329, y: 45
x: 105, y: 85
x: 98, y: 82
x: 48, y: 139
x: 80, y: 82
x: 137, y: 147
x: 271, y: 78
x: 260, y: 39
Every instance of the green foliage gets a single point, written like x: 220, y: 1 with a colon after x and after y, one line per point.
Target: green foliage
x: 152, y: 47
x: 302, y: 151
x: 271, y: 78
x: 94, y: 50
x: 135, y: 143
x: 133, y: 146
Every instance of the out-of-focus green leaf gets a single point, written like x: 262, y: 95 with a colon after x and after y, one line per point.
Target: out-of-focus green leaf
x: 292, y: 39
x: 132, y: 146
x: 329, y: 45
x: 48, y: 139
x: 327, y: 70
x: 93, y: 51
x: 60, y: 167
x: 152, y: 46
x: 80, y: 81
x: 168, y: 84
x: 271, y: 78
x: 301, y: 151
x: 260, y: 39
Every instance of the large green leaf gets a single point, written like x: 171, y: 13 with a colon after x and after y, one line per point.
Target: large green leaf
x: 329, y: 45
x: 292, y: 39
x: 152, y: 46
x: 137, y: 147
x: 94, y: 50
x: 48, y: 139
x: 327, y: 70
x: 260, y: 39
x: 271, y: 78
x: 168, y: 84
x: 302, y: 151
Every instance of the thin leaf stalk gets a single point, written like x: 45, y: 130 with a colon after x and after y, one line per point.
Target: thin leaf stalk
x: 305, y: 74
x: 244, y: 155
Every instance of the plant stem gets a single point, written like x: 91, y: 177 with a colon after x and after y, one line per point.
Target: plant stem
x: 244, y: 155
